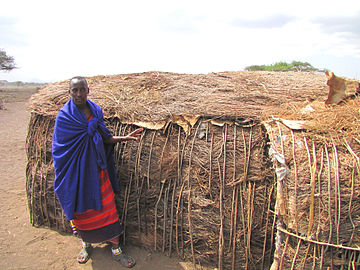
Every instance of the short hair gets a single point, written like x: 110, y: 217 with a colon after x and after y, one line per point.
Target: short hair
x: 79, y: 78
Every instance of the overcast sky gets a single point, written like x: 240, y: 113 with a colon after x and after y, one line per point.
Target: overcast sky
x: 56, y: 40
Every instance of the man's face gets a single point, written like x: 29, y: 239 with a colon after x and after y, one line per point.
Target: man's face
x: 79, y: 91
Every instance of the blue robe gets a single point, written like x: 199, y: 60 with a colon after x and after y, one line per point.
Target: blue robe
x: 78, y: 153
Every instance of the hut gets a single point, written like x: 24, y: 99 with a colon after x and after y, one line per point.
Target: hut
x: 200, y: 183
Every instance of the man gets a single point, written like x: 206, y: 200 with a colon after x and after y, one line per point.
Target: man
x: 85, y: 178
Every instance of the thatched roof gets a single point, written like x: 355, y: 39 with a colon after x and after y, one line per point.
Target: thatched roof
x: 158, y: 96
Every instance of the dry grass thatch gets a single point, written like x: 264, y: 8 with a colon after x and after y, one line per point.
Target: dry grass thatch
x: 199, y: 183
x: 155, y: 96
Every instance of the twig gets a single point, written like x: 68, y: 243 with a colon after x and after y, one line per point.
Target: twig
x: 150, y: 157
x: 210, y: 157
x: 139, y: 191
x: 305, y: 258
x: 221, y: 229
x: 172, y: 217
x: 177, y: 219
x: 329, y: 192
x: 296, y: 254
x: 126, y: 207
x: 246, y: 161
x: 190, y: 229
x: 305, y: 239
x: 312, y: 184
x: 266, y: 228
x: 296, y: 180
x: 166, y: 201
x: 235, y: 225
x: 338, y: 192
x: 233, y: 193
x: 155, y: 214
x: 284, y: 252
x: 163, y: 181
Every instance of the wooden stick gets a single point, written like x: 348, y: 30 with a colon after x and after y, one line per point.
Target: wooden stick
x: 241, y: 192
x: 296, y: 181
x: 235, y: 225
x: 166, y: 201
x: 124, y: 203
x: 281, y: 139
x: 305, y: 239
x: 136, y: 169
x: 172, y: 217
x: 33, y: 192
x: 322, y: 257
x: 149, y: 161
x: 180, y: 202
x: 338, y: 192
x: 163, y: 181
x: 182, y: 159
x: 210, y: 157
x: 246, y: 161
x: 45, y: 193
x: 138, y: 205
x: 329, y: 192
x: 138, y: 157
x: 350, y: 207
x: 266, y: 228
x: 296, y: 254
x: 284, y: 252
x: 312, y: 184
x: 305, y: 258
x: 314, y: 258
x: 190, y: 155
x: 163, y: 150
x: 41, y: 180
x: 190, y: 229
x: 155, y: 215
x: 179, y: 161
x: 250, y: 205
x: 221, y: 229
x: 124, y: 144
x: 126, y: 207
x: 178, y: 180
x: 177, y: 219
x: 233, y: 193
x: 272, y: 233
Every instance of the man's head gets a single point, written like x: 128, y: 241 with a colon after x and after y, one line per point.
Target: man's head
x: 79, y: 90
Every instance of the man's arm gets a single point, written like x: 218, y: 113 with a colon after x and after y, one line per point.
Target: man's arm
x: 133, y: 136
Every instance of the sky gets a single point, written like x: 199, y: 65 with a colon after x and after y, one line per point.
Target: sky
x: 56, y: 40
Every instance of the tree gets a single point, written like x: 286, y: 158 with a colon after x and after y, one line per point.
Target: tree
x: 6, y: 62
x: 283, y: 66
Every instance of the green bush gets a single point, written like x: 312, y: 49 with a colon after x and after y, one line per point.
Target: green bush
x: 283, y: 66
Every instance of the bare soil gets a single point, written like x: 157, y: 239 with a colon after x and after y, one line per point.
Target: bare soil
x: 21, y: 245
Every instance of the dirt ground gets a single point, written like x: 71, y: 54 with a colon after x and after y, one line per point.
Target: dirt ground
x: 25, y: 247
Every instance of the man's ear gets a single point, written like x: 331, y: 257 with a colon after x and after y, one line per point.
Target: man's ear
x: 329, y: 75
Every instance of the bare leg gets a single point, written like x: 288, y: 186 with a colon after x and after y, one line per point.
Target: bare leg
x: 115, y: 242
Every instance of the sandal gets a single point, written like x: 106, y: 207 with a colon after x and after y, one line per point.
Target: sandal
x: 84, y: 254
x: 125, y: 260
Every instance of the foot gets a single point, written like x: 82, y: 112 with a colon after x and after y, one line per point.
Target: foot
x: 121, y: 257
x: 84, y: 254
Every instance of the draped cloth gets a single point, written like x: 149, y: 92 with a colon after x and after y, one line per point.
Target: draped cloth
x: 78, y: 154
x: 95, y: 226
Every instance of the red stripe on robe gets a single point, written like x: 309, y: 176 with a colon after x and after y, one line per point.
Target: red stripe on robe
x: 95, y: 219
